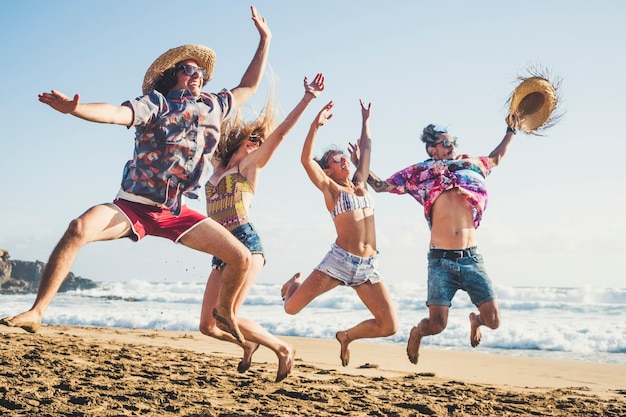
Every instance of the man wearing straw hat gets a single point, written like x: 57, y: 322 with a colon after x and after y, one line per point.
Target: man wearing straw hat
x: 177, y: 130
x: 452, y: 190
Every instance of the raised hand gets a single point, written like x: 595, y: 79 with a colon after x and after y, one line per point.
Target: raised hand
x: 365, y: 110
x: 60, y: 101
x: 261, y: 24
x: 512, y: 120
x: 316, y: 86
x: 324, y: 115
x: 355, y: 152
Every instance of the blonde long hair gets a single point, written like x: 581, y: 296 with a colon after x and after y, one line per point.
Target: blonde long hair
x: 235, y: 129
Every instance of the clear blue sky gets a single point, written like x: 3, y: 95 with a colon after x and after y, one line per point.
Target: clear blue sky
x: 555, y: 214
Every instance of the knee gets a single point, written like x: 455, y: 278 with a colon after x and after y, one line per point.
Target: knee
x: 293, y: 305
x: 490, y: 315
x: 76, y: 231
x: 492, y: 321
x: 291, y: 309
x: 246, y: 259
x: 390, y: 327
x: 437, y: 325
x: 208, y: 329
x: 241, y: 259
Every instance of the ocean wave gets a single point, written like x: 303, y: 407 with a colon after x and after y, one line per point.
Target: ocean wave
x: 571, y: 323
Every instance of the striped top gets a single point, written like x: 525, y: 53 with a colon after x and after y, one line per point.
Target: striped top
x: 350, y: 202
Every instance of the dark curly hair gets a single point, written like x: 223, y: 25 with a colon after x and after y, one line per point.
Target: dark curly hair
x: 168, y: 80
x: 430, y: 133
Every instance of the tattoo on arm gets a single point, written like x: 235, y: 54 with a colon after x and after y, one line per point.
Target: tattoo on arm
x: 376, y: 183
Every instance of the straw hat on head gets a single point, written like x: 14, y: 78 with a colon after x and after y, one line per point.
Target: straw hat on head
x: 533, y: 103
x: 205, y: 57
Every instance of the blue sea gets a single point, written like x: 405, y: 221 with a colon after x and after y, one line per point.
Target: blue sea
x: 582, y: 323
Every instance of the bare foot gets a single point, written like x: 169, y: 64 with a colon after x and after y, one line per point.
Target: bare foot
x: 228, y: 326
x: 248, y: 350
x: 285, y: 362
x: 414, y: 343
x: 344, y: 340
x: 287, y: 285
x: 29, y: 321
x: 475, y: 333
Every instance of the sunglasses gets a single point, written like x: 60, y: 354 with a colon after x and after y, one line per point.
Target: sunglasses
x: 447, y: 143
x: 338, y: 157
x: 191, y: 70
x: 256, y: 139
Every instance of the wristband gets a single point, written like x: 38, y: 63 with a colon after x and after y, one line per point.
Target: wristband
x: 510, y: 129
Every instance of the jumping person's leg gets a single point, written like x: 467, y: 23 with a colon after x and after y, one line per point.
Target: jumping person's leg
x: 102, y: 222
x: 254, y: 333
x: 298, y: 294
x: 377, y: 300
x: 210, y: 237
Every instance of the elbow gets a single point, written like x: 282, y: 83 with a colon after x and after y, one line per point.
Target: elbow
x: 494, y: 161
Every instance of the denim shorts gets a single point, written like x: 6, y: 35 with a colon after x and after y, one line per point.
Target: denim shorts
x: 350, y: 269
x: 246, y: 234
x: 446, y: 276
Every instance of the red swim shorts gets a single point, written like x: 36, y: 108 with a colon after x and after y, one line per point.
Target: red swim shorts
x: 147, y: 220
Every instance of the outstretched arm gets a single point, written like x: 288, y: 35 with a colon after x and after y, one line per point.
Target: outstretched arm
x: 252, y: 77
x: 93, y: 112
x: 311, y: 91
x: 380, y: 186
x: 312, y: 168
x: 364, y: 145
x: 498, y: 153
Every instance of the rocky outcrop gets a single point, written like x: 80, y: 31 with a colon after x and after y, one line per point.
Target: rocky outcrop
x: 22, y: 277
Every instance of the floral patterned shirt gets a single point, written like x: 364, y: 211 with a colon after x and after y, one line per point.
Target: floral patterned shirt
x: 174, y: 140
x: 426, y: 181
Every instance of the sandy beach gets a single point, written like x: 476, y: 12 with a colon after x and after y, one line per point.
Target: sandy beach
x: 79, y: 371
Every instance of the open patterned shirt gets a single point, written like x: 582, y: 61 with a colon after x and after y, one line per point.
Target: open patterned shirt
x: 426, y: 181
x: 174, y: 140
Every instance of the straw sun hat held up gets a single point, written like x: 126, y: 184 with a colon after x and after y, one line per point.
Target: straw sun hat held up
x: 533, y: 103
x: 205, y: 57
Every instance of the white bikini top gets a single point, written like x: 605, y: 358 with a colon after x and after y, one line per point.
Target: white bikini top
x: 350, y: 202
